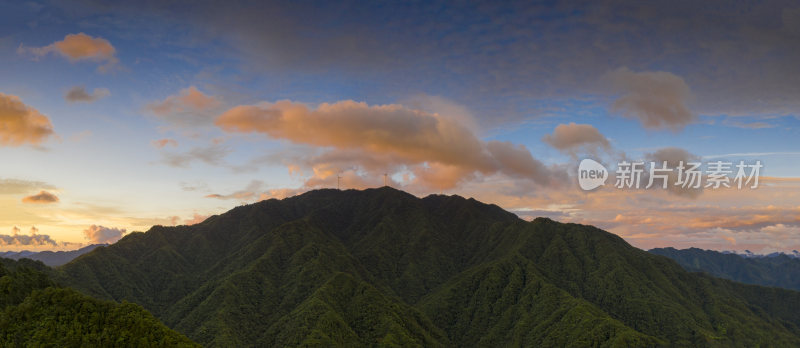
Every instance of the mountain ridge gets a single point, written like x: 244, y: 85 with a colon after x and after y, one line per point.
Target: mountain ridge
x: 779, y: 270
x: 432, y: 271
x: 50, y: 258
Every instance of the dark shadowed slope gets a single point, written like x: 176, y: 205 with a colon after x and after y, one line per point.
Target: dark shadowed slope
x: 776, y: 270
x: 380, y: 266
x: 35, y: 312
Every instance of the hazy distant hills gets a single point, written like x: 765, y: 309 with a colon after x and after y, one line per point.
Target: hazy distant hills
x: 382, y: 267
x: 36, y: 312
x: 50, y: 258
x: 776, y: 269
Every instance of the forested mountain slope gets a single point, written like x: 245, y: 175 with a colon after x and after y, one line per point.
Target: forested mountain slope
x: 35, y: 312
x: 382, y: 267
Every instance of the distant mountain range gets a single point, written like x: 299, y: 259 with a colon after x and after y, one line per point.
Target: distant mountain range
x: 750, y: 254
x: 50, y: 258
x: 381, y: 267
x: 776, y: 269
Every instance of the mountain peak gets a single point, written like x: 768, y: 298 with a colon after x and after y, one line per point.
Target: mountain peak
x: 382, y: 265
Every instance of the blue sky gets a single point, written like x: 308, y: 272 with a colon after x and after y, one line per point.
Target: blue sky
x: 500, y: 77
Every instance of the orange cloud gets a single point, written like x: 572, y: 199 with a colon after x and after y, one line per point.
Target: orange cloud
x: 21, y: 124
x: 440, y: 150
x: 280, y: 194
x: 97, y: 234
x: 77, y: 47
x: 161, y: 143
x: 190, y: 107
x: 573, y: 138
x: 763, y: 219
x: 743, y: 218
x: 196, y: 219
x: 43, y: 197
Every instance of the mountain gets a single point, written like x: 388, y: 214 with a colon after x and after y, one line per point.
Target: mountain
x: 776, y: 269
x: 50, y: 258
x: 34, y: 311
x: 381, y: 267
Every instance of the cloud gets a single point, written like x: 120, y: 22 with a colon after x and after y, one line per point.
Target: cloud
x: 751, y: 154
x: 573, y: 138
x: 530, y: 214
x: 199, y: 186
x: 97, y: 234
x: 79, y: 94
x: 211, y: 155
x: 34, y: 240
x: 653, y: 218
x: 657, y: 218
x: 16, y: 186
x: 79, y: 47
x: 764, y: 228
x: 80, y: 136
x: 747, y: 125
x: 673, y: 157
x: 439, y: 150
x: 481, y: 60
x: 189, y: 108
x: 21, y: 124
x: 665, y: 162
x: 249, y: 193
x: 196, y: 219
x: 280, y: 193
x: 656, y: 98
x: 744, y: 218
x: 173, y: 220
x: 791, y: 19
x: 43, y: 197
x: 161, y: 143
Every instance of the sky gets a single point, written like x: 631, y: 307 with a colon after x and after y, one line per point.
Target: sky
x: 117, y: 117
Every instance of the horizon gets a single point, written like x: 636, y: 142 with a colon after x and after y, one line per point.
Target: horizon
x: 529, y: 219
x: 115, y: 117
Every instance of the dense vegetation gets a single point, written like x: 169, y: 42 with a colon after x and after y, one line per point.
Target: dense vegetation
x: 383, y: 268
x: 36, y: 312
x: 775, y: 270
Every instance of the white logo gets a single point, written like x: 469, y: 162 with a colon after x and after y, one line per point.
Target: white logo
x: 591, y: 174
